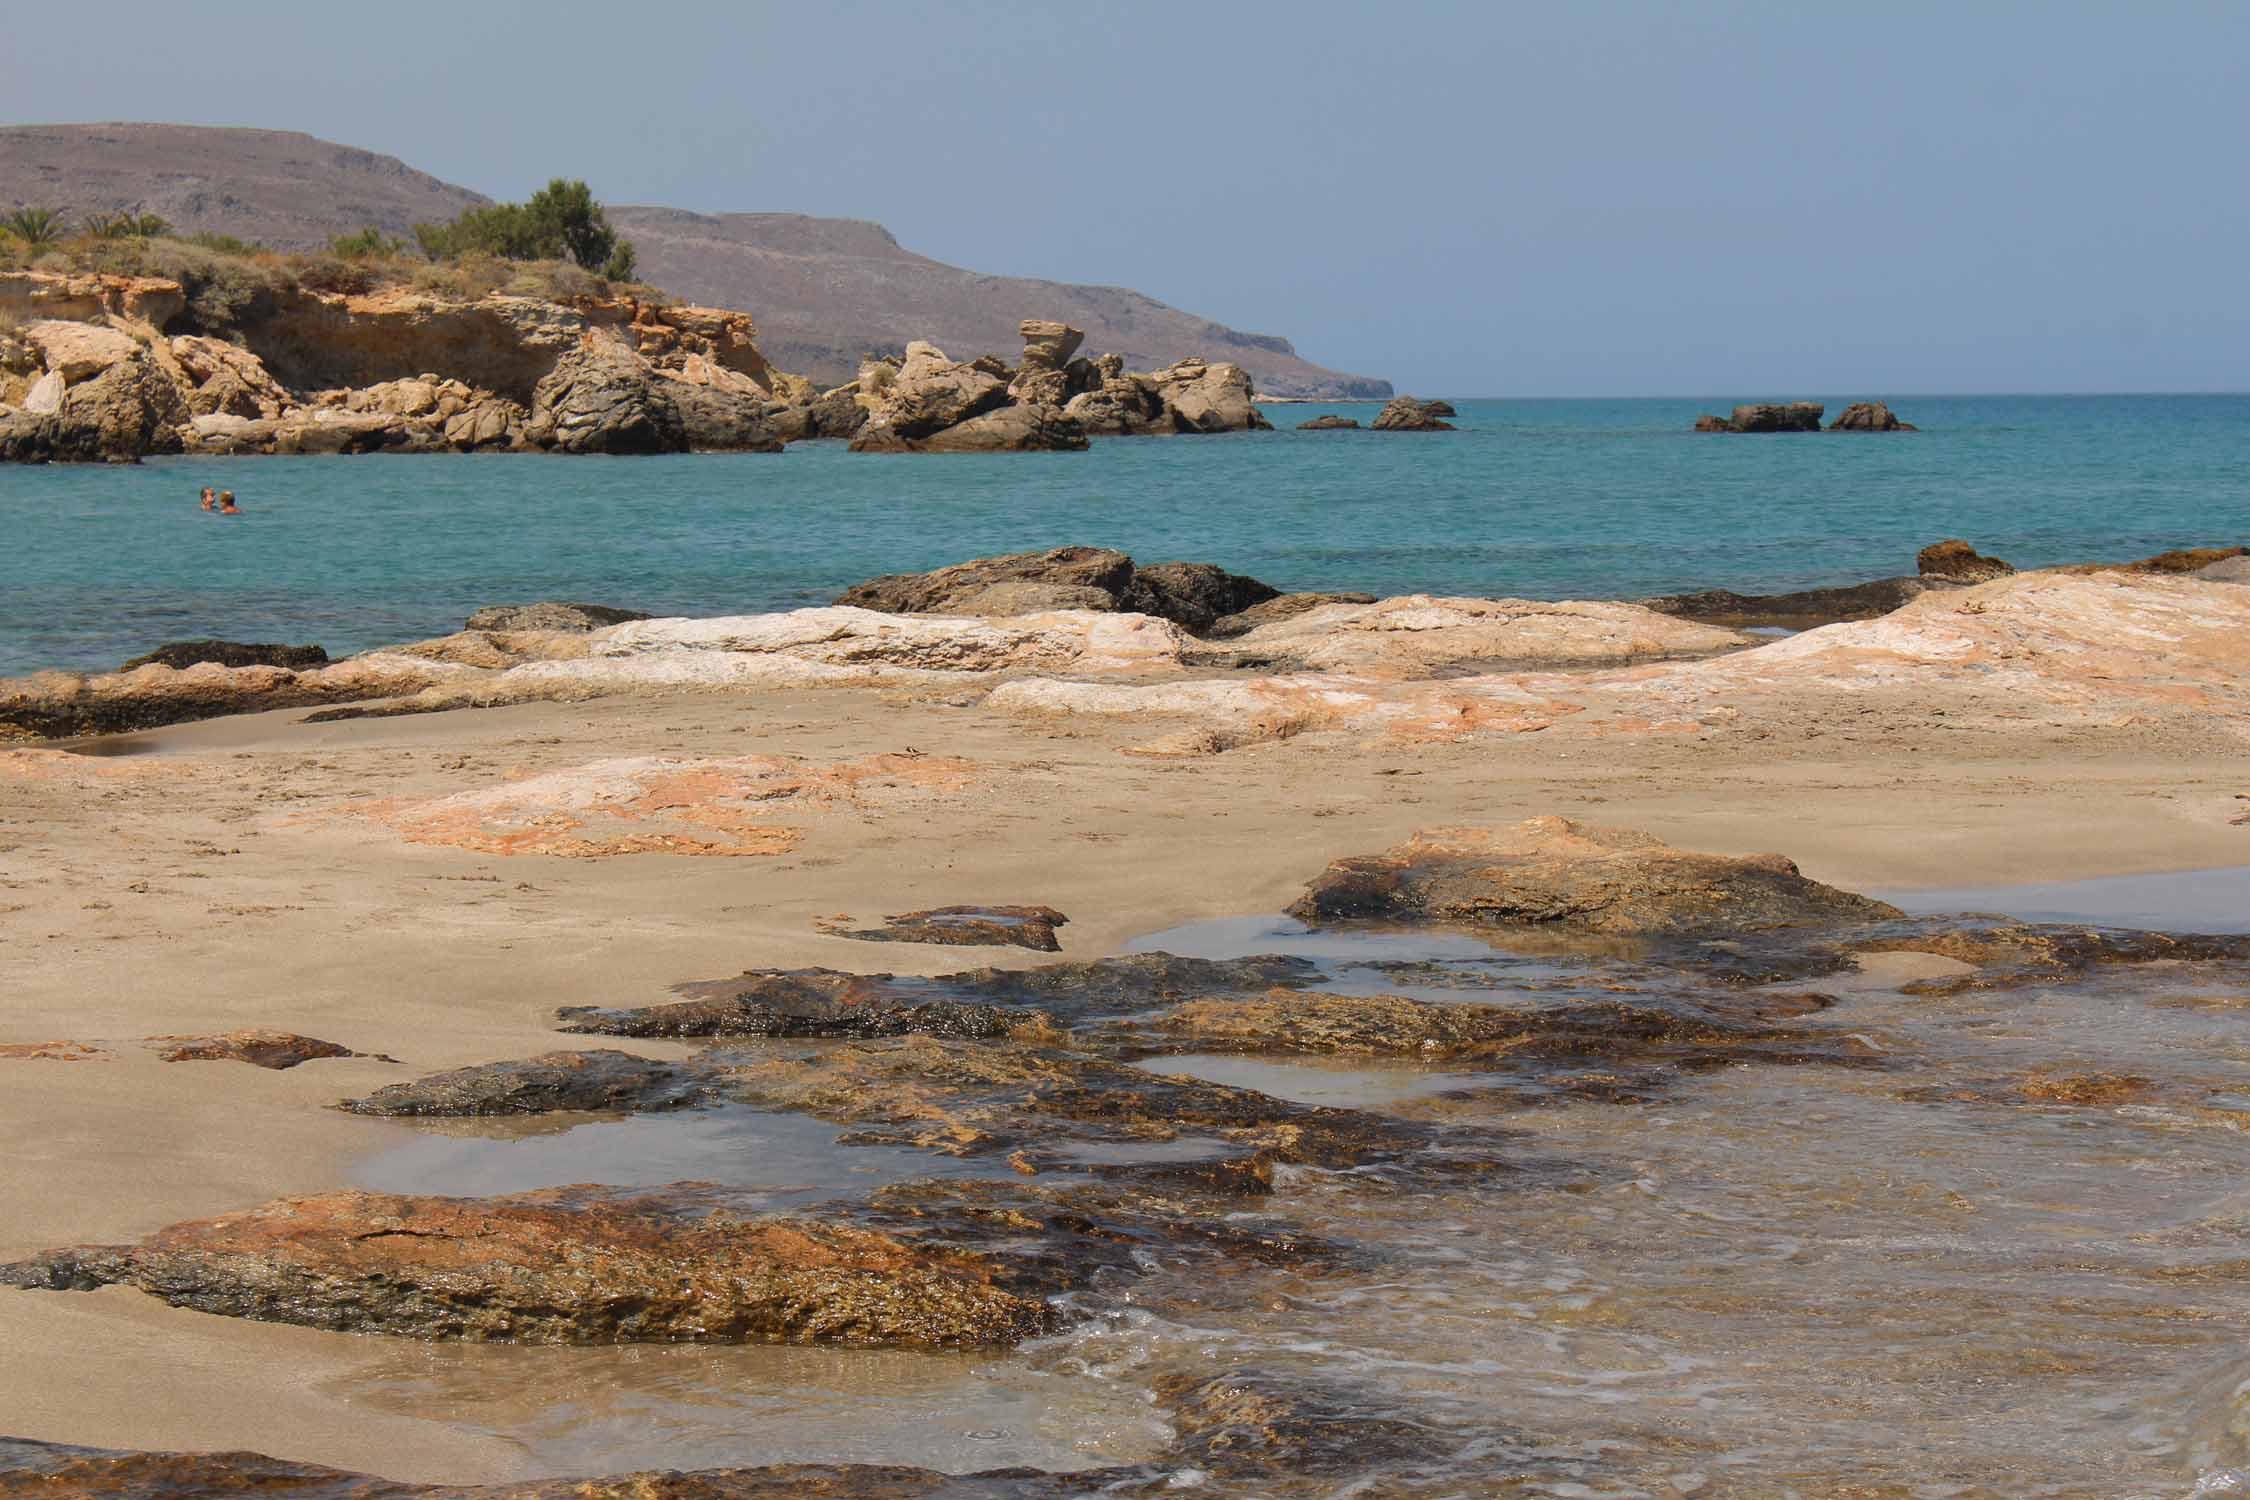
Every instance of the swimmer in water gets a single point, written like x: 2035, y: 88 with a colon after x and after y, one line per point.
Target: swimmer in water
x: 226, y: 503
x: 210, y: 498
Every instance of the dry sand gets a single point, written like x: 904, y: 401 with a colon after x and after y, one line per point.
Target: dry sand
x: 232, y: 876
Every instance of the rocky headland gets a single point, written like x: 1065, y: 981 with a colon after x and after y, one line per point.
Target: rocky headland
x: 100, y: 367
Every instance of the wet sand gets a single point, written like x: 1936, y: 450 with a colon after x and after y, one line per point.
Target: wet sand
x: 220, y: 879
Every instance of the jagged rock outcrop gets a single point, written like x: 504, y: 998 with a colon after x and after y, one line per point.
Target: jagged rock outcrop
x: 1192, y: 595
x: 572, y: 1266
x: 1869, y: 416
x: 1406, y: 414
x: 1955, y: 561
x: 1554, y: 872
x: 600, y: 399
x: 835, y: 414
x: 1795, y: 416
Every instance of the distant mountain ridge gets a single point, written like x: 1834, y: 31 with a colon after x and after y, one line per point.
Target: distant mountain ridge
x: 823, y: 291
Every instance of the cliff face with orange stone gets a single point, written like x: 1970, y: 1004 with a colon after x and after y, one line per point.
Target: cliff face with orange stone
x: 109, y: 367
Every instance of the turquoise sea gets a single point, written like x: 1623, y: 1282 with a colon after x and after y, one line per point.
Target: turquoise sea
x: 1545, y: 499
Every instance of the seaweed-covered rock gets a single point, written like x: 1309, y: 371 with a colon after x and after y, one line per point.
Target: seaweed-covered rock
x: 1955, y: 561
x: 570, y: 1266
x: 179, y: 655
x: 1552, y: 871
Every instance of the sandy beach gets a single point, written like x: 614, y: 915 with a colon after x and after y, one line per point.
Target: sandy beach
x: 255, y: 872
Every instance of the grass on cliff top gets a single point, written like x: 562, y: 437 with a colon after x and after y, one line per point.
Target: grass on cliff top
x: 229, y: 283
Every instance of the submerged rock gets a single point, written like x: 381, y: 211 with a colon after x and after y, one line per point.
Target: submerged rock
x: 181, y: 654
x: 570, y: 1266
x: 966, y: 926
x: 554, y: 1081
x: 1955, y: 561
x: 811, y: 1003
x: 1406, y: 414
x: 1552, y: 871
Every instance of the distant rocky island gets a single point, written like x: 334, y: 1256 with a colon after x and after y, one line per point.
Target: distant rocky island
x: 825, y: 291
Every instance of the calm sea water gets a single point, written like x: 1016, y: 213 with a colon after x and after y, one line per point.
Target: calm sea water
x: 1545, y: 499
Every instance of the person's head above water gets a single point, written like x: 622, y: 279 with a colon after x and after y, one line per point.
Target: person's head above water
x: 226, y: 503
x: 207, y: 497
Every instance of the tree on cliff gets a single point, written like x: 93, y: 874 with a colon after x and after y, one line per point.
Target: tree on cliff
x: 562, y: 221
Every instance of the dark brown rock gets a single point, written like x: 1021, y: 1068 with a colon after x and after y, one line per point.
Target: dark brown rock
x: 1329, y: 423
x: 602, y: 398
x: 182, y: 654
x: 1023, y: 427
x: 570, y: 1266
x: 1958, y: 562
x: 548, y: 614
x: 1406, y: 414
x: 1194, y: 596
x: 1799, y: 611
x: 257, y: 1046
x: 602, y: 1080
x: 966, y: 926
x: 1552, y: 871
x: 1713, y: 424
x: 1796, y: 416
x: 1868, y: 416
x: 834, y: 415
x: 939, y: 591
x: 811, y: 1003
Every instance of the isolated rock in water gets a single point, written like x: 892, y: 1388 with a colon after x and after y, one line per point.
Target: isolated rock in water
x: 1194, y: 596
x: 1203, y: 397
x: 550, y: 615
x: 1329, y: 423
x: 965, y: 926
x: 1708, y: 423
x: 1019, y: 428
x: 2225, y: 570
x: 1796, y: 416
x: 179, y: 654
x: 1414, y: 634
x: 602, y: 398
x: 261, y: 1048
x: 1869, y: 416
x: 1279, y: 607
x: 571, y: 1266
x: 535, y: 1086
x: 1555, y: 872
x: 1805, y: 610
x: 1406, y: 414
x: 1958, y: 562
x: 1439, y: 409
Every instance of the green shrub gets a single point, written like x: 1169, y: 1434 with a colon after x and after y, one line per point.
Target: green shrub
x: 561, y: 222
x: 369, y: 244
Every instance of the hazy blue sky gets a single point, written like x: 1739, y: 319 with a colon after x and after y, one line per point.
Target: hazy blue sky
x: 1711, y: 198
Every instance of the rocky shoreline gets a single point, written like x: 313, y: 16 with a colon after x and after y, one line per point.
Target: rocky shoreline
x: 113, y: 368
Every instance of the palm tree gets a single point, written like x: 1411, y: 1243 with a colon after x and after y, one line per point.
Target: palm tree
x: 150, y: 226
x: 36, y: 227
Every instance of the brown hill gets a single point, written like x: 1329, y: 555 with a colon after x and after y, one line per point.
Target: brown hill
x: 824, y: 291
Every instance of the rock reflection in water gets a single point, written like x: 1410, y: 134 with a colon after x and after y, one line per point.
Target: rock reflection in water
x: 591, y: 1411
x: 2182, y: 901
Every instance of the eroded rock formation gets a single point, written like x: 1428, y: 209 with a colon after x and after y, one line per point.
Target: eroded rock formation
x: 1406, y: 414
